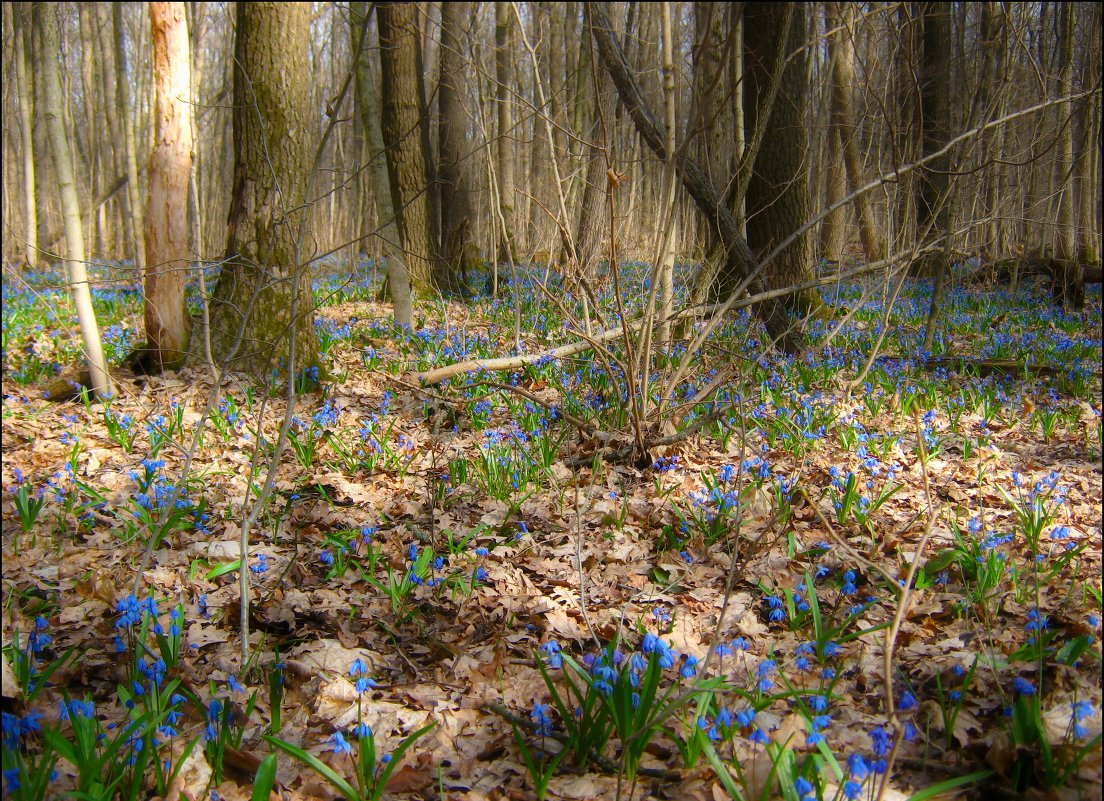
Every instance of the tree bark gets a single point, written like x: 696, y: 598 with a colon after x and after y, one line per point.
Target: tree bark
x: 933, y: 211
x: 45, y: 19
x: 134, y: 216
x: 456, y: 222
x: 404, y: 135
x: 368, y: 109
x: 842, y: 53
x: 167, y: 251
x: 778, y: 188
x: 1073, y: 272
x: 25, y: 97
x: 251, y: 311
x: 739, y: 259
x: 504, y: 145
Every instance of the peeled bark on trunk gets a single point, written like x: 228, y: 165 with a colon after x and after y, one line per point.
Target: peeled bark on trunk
x: 251, y: 311
x: 167, y: 251
x: 45, y: 18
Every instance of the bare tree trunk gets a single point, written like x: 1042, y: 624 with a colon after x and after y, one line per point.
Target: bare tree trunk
x: 841, y: 44
x: 456, y: 223
x: 591, y: 226
x: 45, y: 18
x: 778, y: 189
x: 1088, y: 248
x: 739, y: 259
x: 251, y: 311
x: 397, y: 278
x: 404, y: 135
x: 933, y: 212
x: 167, y: 252
x: 504, y: 104
x: 134, y: 217
x: 25, y: 97
x: 1065, y: 251
x: 833, y: 228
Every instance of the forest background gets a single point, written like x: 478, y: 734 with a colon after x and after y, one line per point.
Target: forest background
x: 656, y: 281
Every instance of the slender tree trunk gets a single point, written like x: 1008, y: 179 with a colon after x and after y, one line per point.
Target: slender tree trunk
x: 933, y: 212
x: 45, y: 18
x: 842, y: 47
x: 397, y: 278
x: 95, y: 238
x: 403, y: 131
x: 666, y: 251
x: 251, y: 312
x: 504, y: 104
x: 135, y: 217
x: 833, y: 228
x: 25, y: 97
x: 167, y: 252
x: 1073, y: 272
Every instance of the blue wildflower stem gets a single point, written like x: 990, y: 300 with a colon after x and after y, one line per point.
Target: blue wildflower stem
x: 541, y: 769
x: 28, y: 505
x: 586, y: 720
x: 276, y: 694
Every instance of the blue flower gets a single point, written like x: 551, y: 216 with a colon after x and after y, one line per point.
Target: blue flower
x: 908, y: 701
x: 1022, y: 686
x: 340, y: 744
x: 362, y: 730
x: 541, y: 718
x: 551, y: 649
x: 689, y: 666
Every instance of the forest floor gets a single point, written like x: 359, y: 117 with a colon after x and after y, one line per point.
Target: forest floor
x: 453, y: 555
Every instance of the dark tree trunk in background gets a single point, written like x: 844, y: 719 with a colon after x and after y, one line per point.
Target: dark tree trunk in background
x: 739, y: 260
x: 368, y: 112
x: 456, y: 215
x: 273, y: 125
x: 405, y: 135
x: 933, y: 207
x: 778, y: 189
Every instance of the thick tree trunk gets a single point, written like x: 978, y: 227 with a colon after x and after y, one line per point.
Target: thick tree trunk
x: 402, y: 118
x: 251, y: 312
x: 398, y: 280
x: 45, y: 19
x: 778, y: 189
x: 134, y: 215
x: 167, y: 252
